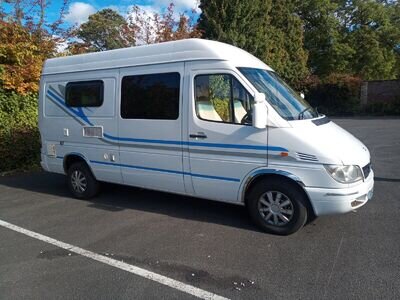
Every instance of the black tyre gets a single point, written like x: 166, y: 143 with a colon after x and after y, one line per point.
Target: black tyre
x: 277, y: 206
x: 81, y: 182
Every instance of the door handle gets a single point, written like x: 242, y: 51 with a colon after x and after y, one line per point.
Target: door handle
x: 199, y: 135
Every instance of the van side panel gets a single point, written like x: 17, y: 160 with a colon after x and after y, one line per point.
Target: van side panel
x: 62, y: 126
x: 151, y: 147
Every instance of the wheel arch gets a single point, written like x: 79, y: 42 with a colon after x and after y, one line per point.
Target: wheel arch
x: 72, y: 158
x: 258, y: 175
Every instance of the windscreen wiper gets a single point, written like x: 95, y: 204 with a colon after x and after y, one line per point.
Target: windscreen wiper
x: 301, y: 115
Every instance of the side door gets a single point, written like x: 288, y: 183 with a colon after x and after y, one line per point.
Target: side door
x: 223, y: 145
x: 150, y: 133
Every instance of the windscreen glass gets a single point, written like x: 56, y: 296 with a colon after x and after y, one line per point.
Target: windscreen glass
x: 280, y: 95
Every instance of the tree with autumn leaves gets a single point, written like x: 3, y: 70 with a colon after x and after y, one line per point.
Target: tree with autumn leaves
x: 27, y: 41
x: 21, y: 57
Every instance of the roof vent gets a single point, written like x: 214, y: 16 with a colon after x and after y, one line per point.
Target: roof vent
x: 306, y: 157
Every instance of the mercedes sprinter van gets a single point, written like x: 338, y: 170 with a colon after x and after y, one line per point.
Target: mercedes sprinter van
x: 198, y: 118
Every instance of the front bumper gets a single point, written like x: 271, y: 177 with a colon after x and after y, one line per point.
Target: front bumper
x: 336, y: 201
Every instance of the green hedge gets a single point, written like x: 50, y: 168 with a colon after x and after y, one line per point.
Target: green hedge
x: 336, y: 95
x: 19, y: 134
x: 339, y: 95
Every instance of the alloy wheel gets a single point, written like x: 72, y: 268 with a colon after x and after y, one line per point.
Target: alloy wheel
x: 276, y: 208
x: 78, y: 181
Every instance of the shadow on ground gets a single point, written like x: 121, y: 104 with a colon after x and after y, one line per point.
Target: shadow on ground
x: 115, y: 198
x: 387, y: 179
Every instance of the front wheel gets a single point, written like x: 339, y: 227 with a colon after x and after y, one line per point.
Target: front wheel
x: 277, y: 206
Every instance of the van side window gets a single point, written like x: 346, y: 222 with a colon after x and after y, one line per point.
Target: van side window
x: 153, y: 96
x: 84, y: 93
x: 221, y: 98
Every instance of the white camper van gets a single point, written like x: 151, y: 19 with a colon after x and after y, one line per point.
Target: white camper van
x: 203, y: 119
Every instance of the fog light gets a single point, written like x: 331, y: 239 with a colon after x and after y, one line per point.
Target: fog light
x: 359, y: 200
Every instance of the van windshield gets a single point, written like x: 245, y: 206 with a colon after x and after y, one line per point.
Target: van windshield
x: 279, y: 94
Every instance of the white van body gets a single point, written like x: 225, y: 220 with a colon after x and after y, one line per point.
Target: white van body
x: 197, y: 153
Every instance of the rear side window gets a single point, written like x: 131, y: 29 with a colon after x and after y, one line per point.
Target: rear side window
x: 84, y: 93
x: 153, y: 96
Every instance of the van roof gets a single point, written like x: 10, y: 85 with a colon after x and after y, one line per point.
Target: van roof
x: 168, y: 52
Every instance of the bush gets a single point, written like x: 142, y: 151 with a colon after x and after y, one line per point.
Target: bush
x: 335, y: 95
x: 19, y: 134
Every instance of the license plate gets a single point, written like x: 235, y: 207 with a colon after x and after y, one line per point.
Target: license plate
x: 370, y: 194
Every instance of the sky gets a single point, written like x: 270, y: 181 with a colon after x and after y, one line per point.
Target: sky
x: 78, y: 11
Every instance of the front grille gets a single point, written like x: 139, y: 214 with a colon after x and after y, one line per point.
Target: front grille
x: 367, y: 170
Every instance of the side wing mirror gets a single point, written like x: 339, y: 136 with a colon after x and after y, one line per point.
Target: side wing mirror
x: 260, y: 112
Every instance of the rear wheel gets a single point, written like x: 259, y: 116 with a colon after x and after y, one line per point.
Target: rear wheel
x: 277, y: 206
x: 81, y: 182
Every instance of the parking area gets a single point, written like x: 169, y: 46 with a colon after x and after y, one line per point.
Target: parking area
x: 204, y: 244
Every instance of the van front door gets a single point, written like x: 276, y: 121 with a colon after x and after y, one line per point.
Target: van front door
x: 150, y: 135
x: 223, y: 145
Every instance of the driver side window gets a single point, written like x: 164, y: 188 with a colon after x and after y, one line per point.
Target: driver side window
x: 221, y: 98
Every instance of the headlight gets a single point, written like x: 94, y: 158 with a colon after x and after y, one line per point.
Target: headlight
x: 344, y: 174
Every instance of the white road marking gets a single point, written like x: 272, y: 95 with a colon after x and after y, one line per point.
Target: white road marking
x: 175, y: 284
x: 333, y: 266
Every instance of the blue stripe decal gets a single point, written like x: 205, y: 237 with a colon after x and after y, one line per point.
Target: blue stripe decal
x: 79, y: 113
x: 212, y: 177
x: 123, y: 139
x: 235, y: 146
x: 165, y: 171
x: 196, y: 144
